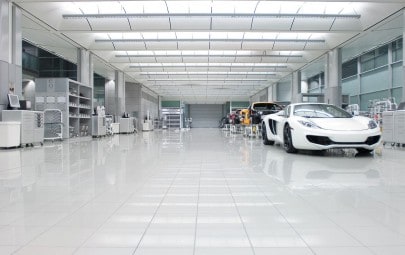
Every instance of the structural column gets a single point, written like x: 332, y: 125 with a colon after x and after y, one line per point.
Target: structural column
x: 403, y: 61
x: 333, y: 77
x: 119, y: 93
x: 85, y: 67
x: 296, y: 87
x: 10, y: 51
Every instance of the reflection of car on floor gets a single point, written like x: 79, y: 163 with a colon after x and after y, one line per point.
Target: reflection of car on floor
x: 302, y: 171
x: 315, y: 126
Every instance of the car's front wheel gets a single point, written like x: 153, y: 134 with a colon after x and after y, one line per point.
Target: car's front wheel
x: 266, y: 141
x: 288, y: 143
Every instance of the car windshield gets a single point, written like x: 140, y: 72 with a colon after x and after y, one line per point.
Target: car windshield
x: 266, y: 106
x: 320, y: 111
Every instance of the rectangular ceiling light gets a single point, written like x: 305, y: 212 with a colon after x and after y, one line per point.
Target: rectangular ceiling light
x: 211, y: 15
x: 210, y: 40
x: 206, y: 73
x: 216, y: 65
x: 209, y: 55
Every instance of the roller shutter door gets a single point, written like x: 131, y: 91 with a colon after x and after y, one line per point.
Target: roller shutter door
x: 205, y: 115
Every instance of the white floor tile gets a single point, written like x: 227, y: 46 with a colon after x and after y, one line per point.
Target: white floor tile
x: 217, y: 193
x: 165, y: 250
x: 45, y: 250
x: 115, y: 237
x: 104, y: 251
x: 223, y: 251
x: 342, y: 250
x: 274, y: 237
x: 377, y: 236
x: 283, y: 251
x: 19, y: 235
x: 319, y: 237
x: 6, y: 249
x: 63, y: 236
x: 388, y: 250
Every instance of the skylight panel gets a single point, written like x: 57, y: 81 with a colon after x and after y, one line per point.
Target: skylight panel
x: 268, y: 7
x: 87, y: 7
x: 109, y: 7
x: 290, y: 7
x: 155, y: 7
x: 310, y: 8
x: 233, y: 6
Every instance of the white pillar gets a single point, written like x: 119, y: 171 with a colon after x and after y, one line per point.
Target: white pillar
x: 85, y: 67
x: 403, y: 61
x: 296, y: 87
x: 333, y: 77
x: 110, y: 97
x: 10, y: 51
x: 119, y: 93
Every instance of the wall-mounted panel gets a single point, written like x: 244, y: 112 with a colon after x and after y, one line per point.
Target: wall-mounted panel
x: 350, y: 86
x: 375, y: 80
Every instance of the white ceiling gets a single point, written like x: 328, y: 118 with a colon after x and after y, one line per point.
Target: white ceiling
x: 200, y: 51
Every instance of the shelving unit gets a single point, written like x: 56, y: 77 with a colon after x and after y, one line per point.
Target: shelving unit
x: 172, y: 118
x: 73, y: 98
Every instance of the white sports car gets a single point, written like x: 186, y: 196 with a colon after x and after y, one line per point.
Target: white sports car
x: 315, y: 126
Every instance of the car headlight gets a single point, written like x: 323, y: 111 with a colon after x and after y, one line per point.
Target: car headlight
x: 372, y: 124
x: 309, y: 124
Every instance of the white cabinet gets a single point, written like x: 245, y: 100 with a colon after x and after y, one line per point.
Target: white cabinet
x: 98, y: 126
x: 9, y: 134
x: 388, y: 127
x: 127, y: 125
x: 32, y: 124
x: 399, y: 127
x: 72, y: 98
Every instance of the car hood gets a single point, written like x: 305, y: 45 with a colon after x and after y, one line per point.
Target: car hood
x: 342, y: 124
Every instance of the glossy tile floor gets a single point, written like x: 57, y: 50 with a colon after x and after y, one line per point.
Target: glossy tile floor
x: 199, y: 192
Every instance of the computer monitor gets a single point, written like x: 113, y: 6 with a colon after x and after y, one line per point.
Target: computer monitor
x: 13, y: 101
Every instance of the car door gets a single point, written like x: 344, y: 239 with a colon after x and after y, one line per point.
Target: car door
x: 281, y: 122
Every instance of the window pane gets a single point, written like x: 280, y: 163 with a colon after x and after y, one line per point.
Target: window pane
x: 349, y: 68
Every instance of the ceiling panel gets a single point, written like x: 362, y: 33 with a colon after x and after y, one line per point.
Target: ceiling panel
x: 314, y: 24
x: 272, y: 24
x: 127, y: 45
x: 143, y: 60
x: 109, y: 24
x: 231, y: 24
x: 190, y: 23
x: 193, y: 45
x: 206, y: 29
x: 144, y: 24
x: 346, y: 25
x: 225, y: 46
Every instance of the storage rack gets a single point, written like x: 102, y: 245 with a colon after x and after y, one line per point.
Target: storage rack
x: 53, y: 126
x: 72, y: 98
x: 172, y: 118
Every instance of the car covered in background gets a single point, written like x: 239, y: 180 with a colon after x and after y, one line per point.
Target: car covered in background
x: 259, y: 109
x: 316, y: 126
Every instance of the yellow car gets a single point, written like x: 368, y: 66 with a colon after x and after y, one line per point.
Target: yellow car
x: 244, y: 119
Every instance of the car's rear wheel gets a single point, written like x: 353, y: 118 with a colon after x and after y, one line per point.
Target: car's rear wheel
x: 288, y: 143
x: 264, y: 135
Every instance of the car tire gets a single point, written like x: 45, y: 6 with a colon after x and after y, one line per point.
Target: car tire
x: 264, y: 135
x: 288, y: 143
x: 363, y: 151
